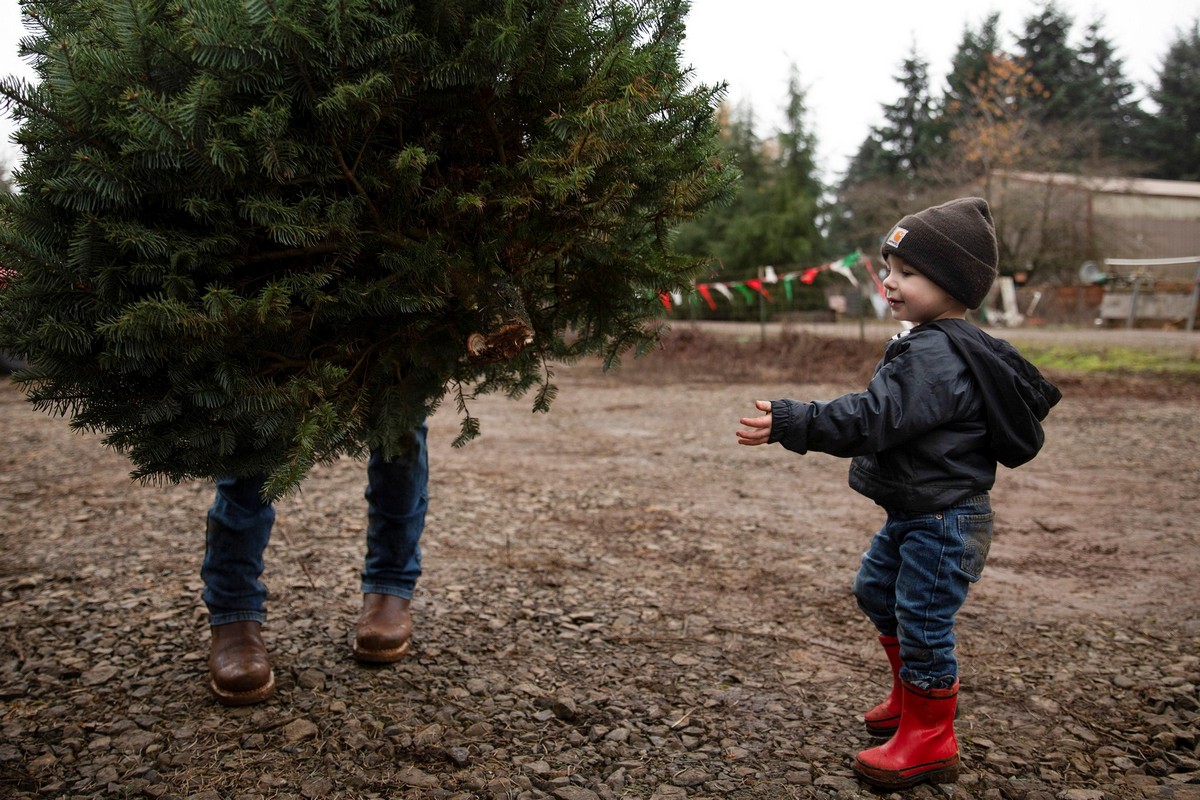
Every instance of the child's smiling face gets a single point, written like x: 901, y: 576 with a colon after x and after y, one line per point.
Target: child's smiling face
x: 914, y: 298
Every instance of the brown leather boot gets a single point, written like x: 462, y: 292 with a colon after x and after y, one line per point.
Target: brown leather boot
x: 239, y: 670
x: 384, y: 629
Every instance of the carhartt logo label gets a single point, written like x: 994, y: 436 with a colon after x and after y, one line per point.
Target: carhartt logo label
x: 897, y: 236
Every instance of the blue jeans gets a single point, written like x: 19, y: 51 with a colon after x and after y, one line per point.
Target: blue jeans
x: 239, y: 527
x: 914, y: 579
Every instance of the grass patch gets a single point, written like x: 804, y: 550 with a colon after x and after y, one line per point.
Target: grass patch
x: 1113, y: 360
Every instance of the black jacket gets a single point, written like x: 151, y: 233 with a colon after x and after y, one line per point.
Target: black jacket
x: 946, y: 403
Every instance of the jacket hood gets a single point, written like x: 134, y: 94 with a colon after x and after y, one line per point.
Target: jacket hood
x: 1016, y: 395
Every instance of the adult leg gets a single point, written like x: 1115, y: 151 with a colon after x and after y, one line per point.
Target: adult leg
x: 397, y: 498
x: 238, y: 529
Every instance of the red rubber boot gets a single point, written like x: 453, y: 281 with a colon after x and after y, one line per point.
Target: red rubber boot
x: 883, y: 719
x: 924, y: 747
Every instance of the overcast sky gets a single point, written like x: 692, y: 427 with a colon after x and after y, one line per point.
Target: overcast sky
x: 846, y: 52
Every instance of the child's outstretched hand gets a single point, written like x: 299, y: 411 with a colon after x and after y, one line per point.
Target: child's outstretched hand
x: 759, y: 428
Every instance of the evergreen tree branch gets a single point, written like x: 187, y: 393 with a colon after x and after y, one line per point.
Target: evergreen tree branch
x: 296, y: 214
x: 495, y: 129
x: 358, y: 187
x: 17, y: 95
x: 322, y: 248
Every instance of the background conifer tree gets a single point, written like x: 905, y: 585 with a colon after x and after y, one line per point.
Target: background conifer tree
x: 1173, y: 131
x: 973, y: 57
x: 1049, y: 58
x: 1110, y: 108
x: 259, y: 235
x: 776, y: 216
x: 908, y: 137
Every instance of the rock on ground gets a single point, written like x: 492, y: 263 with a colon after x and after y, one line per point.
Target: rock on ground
x: 618, y: 602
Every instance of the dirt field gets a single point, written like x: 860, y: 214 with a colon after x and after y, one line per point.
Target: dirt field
x: 618, y: 601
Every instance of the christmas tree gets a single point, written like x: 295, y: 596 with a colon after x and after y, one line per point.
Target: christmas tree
x: 255, y: 236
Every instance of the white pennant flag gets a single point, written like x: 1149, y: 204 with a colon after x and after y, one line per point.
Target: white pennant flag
x: 842, y: 269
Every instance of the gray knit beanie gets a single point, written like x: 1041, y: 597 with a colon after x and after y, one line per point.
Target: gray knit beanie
x: 954, y: 245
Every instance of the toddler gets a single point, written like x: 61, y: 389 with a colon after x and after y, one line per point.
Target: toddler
x: 946, y: 403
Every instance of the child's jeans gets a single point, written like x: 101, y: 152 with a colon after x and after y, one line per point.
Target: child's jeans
x: 239, y: 527
x: 914, y: 579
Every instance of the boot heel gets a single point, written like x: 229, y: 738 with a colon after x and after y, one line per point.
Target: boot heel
x: 944, y: 775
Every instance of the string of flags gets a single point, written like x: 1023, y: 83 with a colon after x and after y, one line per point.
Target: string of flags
x: 752, y: 288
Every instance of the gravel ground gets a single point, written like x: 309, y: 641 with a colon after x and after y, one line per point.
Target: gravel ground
x: 618, y: 602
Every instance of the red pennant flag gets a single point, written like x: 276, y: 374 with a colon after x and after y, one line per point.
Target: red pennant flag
x: 702, y: 288
x: 874, y: 277
x: 666, y: 300
x: 757, y: 285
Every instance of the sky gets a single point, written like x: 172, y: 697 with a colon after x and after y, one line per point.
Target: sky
x: 846, y: 52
